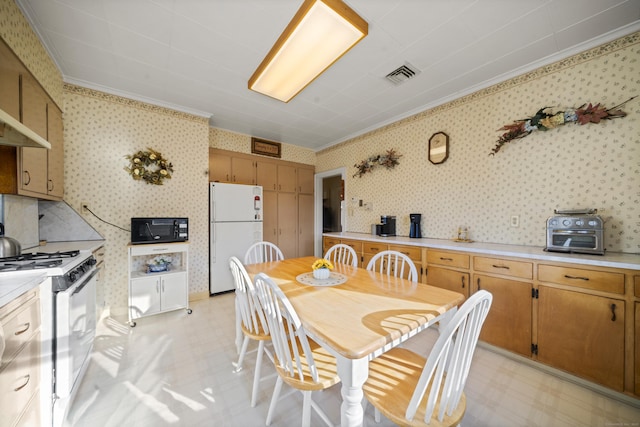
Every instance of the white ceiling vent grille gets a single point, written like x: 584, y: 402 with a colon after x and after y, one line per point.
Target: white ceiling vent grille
x: 402, y: 73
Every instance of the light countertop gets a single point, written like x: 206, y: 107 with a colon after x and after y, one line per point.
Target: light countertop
x: 609, y: 259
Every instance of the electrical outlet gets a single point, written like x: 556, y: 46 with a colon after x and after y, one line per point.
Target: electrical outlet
x: 515, y: 220
x: 83, y: 208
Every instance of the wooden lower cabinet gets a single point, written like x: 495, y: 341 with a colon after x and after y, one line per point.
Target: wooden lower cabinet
x: 305, y: 225
x: 453, y: 280
x: 270, y: 216
x: 508, y: 324
x: 287, y: 224
x: 637, y: 349
x: 582, y: 334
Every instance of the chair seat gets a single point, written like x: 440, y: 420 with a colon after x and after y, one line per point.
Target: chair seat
x: 392, y: 380
x: 258, y: 336
x: 325, y: 365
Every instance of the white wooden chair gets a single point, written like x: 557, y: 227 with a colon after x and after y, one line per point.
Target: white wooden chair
x: 394, y: 263
x: 262, y: 252
x: 253, y: 322
x: 342, y: 254
x: 300, y: 362
x: 413, y: 391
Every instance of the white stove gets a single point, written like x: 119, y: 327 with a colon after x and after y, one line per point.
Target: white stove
x: 68, y: 311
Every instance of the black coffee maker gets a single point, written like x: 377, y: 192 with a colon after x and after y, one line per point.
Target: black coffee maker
x: 414, y: 229
x: 387, y: 226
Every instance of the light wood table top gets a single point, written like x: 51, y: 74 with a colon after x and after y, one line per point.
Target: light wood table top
x: 363, y: 315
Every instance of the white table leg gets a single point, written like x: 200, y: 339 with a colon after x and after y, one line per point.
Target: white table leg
x: 353, y: 373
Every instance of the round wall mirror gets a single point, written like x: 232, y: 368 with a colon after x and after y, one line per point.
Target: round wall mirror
x: 438, y: 148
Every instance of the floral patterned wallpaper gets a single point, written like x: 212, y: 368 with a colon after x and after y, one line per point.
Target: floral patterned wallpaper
x: 100, y: 130
x: 572, y: 166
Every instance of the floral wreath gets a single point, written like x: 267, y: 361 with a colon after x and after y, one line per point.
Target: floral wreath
x: 389, y: 160
x: 149, y: 166
x: 543, y: 120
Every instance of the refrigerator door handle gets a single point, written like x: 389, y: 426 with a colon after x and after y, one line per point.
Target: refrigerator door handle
x: 213, y: 243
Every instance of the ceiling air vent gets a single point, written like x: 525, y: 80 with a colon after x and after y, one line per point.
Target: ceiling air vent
x: 402, y: 73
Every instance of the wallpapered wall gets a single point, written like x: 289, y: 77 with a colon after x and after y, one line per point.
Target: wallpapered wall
x: 572, y: 166
x: 100, y: 130
x: 225, y: 140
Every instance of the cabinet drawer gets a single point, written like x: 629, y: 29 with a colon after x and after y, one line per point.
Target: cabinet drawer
x: 19, y: 326
x: 451, y: 259
x: 412, y: 252
x: 589, y: 279
x: 521, y: 269
x: 327, y: 242
x: 636, y: 282
x: 374, y: 247
x: 19, y: 381
x: 355, y: 244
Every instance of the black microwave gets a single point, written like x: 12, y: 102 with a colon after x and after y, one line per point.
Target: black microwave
x: 159, y: 230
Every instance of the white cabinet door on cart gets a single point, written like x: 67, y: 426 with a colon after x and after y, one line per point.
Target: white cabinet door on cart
x: 157, y: 292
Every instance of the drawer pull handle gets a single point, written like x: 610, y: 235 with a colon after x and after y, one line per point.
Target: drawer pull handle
x: 22, y: 331
x: 28, y: 176
x: 463, y: 281
x: 27, y: 378
x: 479, y: 284
x: 446, y: 259
x: 500, y: 266
x: 613, y: 312
x: 576, y: 277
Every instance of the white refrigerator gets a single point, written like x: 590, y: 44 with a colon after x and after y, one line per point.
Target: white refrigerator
x: 235, y: 224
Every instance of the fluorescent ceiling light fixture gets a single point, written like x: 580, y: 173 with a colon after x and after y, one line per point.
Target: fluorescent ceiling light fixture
x: 317, y: 36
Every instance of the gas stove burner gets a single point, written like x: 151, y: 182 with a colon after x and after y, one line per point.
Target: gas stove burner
x: 8, y: 266
x: 40, y: 256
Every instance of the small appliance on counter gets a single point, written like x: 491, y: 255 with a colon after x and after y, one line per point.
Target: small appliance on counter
x: 414, y: 228
x: 576, y: 231
x: 387, y: 226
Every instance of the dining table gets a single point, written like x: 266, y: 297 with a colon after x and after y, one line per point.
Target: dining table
x: 357, y: 315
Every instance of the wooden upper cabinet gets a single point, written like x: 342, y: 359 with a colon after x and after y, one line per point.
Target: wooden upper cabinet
x: 55, y: 156
x: 34, y: 106
x: 243, y: 171
x: 10, y: 69
x: 33, y: 171
x: 219, y: 167
x: 267, y: 175
x: 287, y: 181
x: 305, y: 180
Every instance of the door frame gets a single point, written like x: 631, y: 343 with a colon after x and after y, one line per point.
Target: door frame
x: 318, y: 205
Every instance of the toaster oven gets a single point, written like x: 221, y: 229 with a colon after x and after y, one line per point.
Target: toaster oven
x: 576, y: 234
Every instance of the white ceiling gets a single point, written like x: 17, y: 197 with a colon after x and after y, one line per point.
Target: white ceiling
x: 197, y: 55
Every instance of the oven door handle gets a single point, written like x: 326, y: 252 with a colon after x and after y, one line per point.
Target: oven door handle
x: 87, y: 280
x: 573, y: 231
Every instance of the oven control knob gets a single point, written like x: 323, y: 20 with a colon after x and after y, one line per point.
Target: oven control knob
x: 91, y: 261
x: 72, y: 276
x: 566, y: 222
x: 593, y: 223
x: 579, y: 222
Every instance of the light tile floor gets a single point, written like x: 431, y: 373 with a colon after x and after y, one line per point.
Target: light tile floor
x: 174, y: 369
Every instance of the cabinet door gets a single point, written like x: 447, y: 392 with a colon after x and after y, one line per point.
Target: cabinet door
x: 270, y: 216
x: 34, y: 106
x: 219, y: 167
x: 582, y: 334
x: 287, y: 178
x: 452, y: 280
x: 508, y: 324
x: 267, y: 175
x: 10, y: 69
x: 305, y: 225
x: 174, y: 291
x: 637, y: 339
x: 287, y: 224
x: 243, y: 171
x: 33, y: 171
x: 55, y: 156
x: 305, y: 180
x: 145, y: 296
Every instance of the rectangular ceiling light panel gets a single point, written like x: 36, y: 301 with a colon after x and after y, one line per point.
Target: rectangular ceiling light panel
x: 319, y: 34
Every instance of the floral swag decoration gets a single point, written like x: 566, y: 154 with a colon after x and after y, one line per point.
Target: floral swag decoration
x: 149, y: 166
x: 389, y: 160
x: 544, y: 120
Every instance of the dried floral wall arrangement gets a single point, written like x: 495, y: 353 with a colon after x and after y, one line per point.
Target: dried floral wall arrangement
x: 389, y: 160
x: 544, y: 120
x: 149, y: 166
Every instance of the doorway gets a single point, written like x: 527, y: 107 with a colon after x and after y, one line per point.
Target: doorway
x: 329, y: 204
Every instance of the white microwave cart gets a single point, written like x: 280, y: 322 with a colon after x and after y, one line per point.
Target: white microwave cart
x: 154, y: 292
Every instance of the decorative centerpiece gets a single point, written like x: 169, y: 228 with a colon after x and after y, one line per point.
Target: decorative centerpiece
x: 159, y: 263
x: 322, y: 268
